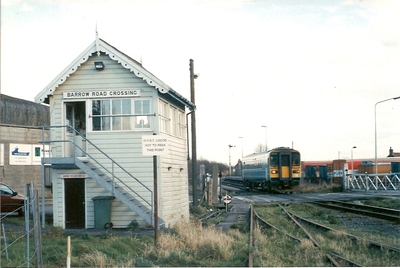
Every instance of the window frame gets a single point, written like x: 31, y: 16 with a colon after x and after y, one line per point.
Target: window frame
x: 113, y: 117
x: 172, y: 119
x: 164, y: 115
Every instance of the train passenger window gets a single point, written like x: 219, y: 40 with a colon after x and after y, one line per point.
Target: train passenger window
x: 296, y: 159
x: 274, y: 160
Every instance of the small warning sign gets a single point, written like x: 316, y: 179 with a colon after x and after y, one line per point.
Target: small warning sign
x: 227, y: 199
x: 155, y: 145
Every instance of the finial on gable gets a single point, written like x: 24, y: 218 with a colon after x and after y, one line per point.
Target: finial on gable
x: 97, y: 42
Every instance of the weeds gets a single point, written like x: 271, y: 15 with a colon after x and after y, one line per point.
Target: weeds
x: 269, y: 249
x: 94, y: 259
x: 133, y: 225
x: 316, y: 188
x: 332, y: 219
x: 242, y: 227
x: 191, y: 244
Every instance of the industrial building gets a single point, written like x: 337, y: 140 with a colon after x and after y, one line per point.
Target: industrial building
x: 20, y: 147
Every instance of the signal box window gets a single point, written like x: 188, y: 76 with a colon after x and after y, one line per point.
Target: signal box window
x: 172, y: 120
x: 142, y: 111
x: 117, y: 115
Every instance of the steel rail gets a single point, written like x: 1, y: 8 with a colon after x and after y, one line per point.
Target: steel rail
x: 336, y: 256
x: 211, y: 215
x: 360, y: 211
x: 300, y: 226
x: 332, y: 259
x: 356, y: 238
x: 388, y: 211
x: 251, y: 236
x: 275, y: 228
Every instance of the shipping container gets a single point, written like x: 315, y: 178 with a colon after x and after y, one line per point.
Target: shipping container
x: 370, y: 169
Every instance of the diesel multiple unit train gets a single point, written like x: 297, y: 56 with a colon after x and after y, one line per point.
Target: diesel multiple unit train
x: 276, y: 170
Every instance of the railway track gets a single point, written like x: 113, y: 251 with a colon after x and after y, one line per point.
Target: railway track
x: 353, y: 237
x: 335, y: 258
x: 212, y: 215
x: 317, y: 232
x: 371, y: 211
x: 233, y: 182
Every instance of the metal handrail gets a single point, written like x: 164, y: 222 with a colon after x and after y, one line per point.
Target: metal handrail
x: 113, y: 162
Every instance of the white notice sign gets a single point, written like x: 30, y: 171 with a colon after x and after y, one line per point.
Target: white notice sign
x: 155, y: 145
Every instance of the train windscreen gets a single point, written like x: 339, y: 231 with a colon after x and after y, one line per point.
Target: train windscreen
x: 295, y: 159
x: 274, y: 160
x: 285, y: 158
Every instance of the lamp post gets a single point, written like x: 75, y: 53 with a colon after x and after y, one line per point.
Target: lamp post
x: 376, y: 146
x: 266, y: 148
x: 242, y: 145
x: 352, y: 162
x: 230, y: 167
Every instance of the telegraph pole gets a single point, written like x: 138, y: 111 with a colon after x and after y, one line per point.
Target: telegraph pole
x: 194, y: 149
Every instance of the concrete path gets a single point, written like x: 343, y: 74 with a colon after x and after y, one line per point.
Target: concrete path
x: 237, y: 210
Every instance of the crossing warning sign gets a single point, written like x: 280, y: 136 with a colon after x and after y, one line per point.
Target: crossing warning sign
x: 227, y: 199
x: 155, y: 145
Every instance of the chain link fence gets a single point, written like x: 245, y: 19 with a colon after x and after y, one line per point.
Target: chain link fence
x: 29, y: 234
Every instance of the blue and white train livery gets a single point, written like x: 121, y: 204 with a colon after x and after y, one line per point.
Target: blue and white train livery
x: 276, y: 170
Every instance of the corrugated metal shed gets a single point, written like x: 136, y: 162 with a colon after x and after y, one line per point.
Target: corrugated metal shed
x: 18, y: 112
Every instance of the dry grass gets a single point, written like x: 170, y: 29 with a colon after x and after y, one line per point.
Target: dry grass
x: 315, y: 188
x: 94, y: 259
x: 271, y: 247
x: 276, y: 250
x: 191, y: 244
x: 318, y: 188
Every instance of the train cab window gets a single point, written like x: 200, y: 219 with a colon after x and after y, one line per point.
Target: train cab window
x: 296, y: 159
x: 274, y: 160
x: 285, y: 160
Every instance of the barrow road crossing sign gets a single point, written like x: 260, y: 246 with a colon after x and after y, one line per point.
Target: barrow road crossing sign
x: 155, y: 145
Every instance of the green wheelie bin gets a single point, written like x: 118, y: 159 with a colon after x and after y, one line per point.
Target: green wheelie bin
x: 102, y: 211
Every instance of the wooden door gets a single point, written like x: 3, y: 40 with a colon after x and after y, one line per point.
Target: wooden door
x: 74, y: 196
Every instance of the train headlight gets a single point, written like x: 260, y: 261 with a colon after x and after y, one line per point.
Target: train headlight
x: 274, y: 171
x: 296, y: 171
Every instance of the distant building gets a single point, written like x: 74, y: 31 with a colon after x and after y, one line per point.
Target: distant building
x: 20, y: 150
x: 392, y: 153
x: 334, y: 170
x: 101, y: 106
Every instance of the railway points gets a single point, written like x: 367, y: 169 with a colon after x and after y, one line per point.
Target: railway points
x: 328, y: 242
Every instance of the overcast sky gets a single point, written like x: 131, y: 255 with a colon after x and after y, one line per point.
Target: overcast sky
x: 310, y: 71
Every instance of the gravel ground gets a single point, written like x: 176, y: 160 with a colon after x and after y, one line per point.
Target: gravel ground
x: 370, y: 225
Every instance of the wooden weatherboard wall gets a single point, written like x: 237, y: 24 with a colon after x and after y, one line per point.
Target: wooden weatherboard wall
x: 125, y: 147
